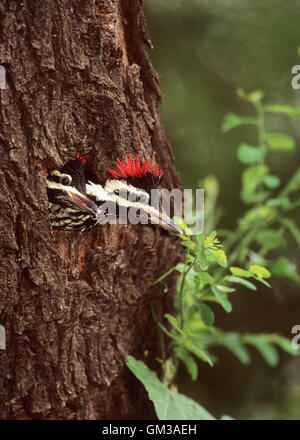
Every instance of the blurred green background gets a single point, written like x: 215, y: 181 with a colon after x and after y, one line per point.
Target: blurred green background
x: 204, y: 50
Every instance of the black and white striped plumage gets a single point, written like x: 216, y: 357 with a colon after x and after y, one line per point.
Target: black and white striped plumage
x: 69, y: 206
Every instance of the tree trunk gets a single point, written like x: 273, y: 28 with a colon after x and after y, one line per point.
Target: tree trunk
x: 75, y: 304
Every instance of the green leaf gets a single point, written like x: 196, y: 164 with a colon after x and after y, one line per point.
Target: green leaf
x: 212, y: 235
x: 284, y: 109
x: 173, y: 321
x: 231, y: 120
x: 222, y: 299
x: 174, y: 336
x: 168, y: 404
x: 268, y: 352
x: 225, y: 289
x: 259, y: 271
x: 292, y: 112
x: 219, y: 257
x: 280, y: 142
x: 203, y: 278
x: 233, y: 343
x: 257, y: 216
x: 238, y: 280
x: 197, y: 351
x: 255, y: 97
x: 274, y: 203
x: 180, y: 267
x: 254, y: 197
x: 271, y: 181
x: 206, y: 313
x: 201, y: 239
x: 296, y: 113
x: 252, y: 177
x: 239, y: 272
x: 270, y: 238
x: 189, y: 362
x: 250, y: 155
x: 189, y: 244
x: 292, y: 185
x: 284, y: 268
x: 285, y: 344
x: 203, y: 260
x: 264, y: 282
x: 226, y: 417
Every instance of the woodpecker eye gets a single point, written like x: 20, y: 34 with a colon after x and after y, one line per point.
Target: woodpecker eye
x: 66, y: 180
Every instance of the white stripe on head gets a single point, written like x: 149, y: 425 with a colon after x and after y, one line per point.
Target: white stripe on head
x: 121, y: 185
x: 97, y: 191
x: 110, y: 193
x: 59, y: 186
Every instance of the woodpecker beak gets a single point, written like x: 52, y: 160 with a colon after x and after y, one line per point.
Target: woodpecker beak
x: 82, y: 201
x: 164, y: 221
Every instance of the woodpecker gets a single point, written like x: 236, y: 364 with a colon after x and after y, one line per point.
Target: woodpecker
x: 69, y: 206
x: 76, y: 203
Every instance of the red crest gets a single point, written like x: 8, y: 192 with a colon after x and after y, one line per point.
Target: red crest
x: 134, y: 168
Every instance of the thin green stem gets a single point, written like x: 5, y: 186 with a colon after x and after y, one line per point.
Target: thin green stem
x: 159, y: 280
x: 290, y: 185
x: 260, y: 126
x: 160, y: 337
x: 181, y: 291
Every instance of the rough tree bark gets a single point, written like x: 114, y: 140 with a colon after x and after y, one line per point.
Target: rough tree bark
x: 74, y: 305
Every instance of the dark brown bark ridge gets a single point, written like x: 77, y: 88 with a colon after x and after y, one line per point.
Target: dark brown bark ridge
x: 74, y: 305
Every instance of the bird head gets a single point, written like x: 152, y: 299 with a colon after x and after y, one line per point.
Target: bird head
x: 130, y: 186
x: 69, y: 206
